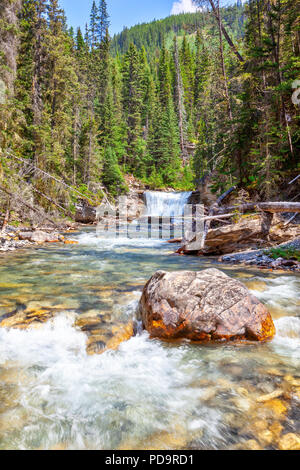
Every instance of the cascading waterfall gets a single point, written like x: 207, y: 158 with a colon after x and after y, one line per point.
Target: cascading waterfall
x: 160, y: 204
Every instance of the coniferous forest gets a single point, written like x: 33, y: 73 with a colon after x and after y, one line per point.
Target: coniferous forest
x: 150, y: 228
x: 168, y: 102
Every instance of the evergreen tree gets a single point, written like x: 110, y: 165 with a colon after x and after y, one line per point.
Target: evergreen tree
x: 84, y: 106
x: 103, y: 20
x: 112, y: 177
x: 132, y: 101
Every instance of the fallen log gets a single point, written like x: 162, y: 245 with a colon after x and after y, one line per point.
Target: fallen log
x: 274, y: 207
x: 175, y: 240
x: 267, y: 210
x: 294, y: 180
x: 218, y: 217
x: 66, y: 212
x: 29, y: 206
x: 290, y: 220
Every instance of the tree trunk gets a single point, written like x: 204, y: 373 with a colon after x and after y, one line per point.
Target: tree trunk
x: 180, y: 104
x: 9, y: 41
x: 226, y: 35
x: 37, y: 102
x: 223, y: 63
x: 6, y: 217
x: 274, y: 207
x: 75, y: 142
x: 266, y: 222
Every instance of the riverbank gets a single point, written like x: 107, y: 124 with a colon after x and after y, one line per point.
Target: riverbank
x: 284, y: 257
x: 244, y: 242
x: 16, y: 238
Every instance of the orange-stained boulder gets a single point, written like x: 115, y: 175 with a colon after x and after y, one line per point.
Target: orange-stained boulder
x: 202, y: 306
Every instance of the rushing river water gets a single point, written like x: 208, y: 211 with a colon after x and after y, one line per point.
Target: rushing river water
x: 146, y: 394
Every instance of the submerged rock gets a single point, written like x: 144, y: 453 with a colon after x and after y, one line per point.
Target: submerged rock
x: 202, y: 306
x: 23, y: 319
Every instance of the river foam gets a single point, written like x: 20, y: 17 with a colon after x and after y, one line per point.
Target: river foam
x: 96, y: 401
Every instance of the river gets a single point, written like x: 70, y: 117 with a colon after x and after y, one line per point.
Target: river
x: 146, y: 394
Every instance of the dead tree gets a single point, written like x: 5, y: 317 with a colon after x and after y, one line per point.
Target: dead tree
x: 29, y: 206
x: 6, y: 216
x: 224, y: 30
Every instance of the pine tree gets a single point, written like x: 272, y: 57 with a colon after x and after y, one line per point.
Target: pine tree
x: 103, y: 20
x: 112, y: 177
x: 132, y: 101
x: 164, y: 144
x: 94, y: 29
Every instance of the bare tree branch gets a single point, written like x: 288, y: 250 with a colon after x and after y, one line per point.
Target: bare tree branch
x: 226, y: 35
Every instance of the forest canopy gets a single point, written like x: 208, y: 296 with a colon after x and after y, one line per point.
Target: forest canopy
x: 167, y: 102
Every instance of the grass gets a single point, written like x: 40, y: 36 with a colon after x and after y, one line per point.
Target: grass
x: 285, y: 253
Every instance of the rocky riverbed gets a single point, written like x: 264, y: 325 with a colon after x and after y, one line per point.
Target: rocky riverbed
x: 22, y: 237
x: 75, y: 375
x: 263, y: 258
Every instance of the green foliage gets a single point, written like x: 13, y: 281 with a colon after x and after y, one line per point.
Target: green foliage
x: 81, y: 106
x: 285, y: 253
x: 112, y: 177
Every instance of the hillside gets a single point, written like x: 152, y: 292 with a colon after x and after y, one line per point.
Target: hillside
x: 152, y: 35
x: 176, y: 102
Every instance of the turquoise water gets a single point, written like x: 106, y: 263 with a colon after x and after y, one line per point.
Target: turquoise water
x: 146, y: 394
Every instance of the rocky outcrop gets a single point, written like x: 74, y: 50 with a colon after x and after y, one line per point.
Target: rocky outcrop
x: 135, y: 205
x: 242, y: 236
x: 202, y: 306
x: 85, y: 213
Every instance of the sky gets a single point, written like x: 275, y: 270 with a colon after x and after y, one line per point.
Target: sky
x: 125, y: 12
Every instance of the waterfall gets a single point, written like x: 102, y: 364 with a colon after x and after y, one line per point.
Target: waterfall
x: 161, y: 204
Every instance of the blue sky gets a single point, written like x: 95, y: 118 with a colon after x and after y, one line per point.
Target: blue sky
x: 126, y: 12
x: 122, y: 12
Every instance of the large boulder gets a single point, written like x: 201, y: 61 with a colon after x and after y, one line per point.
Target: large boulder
x: 85, y: 213
x: 40, y: 237
x: 202, y: 306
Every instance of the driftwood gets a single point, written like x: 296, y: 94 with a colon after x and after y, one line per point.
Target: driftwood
x: 218, y: 217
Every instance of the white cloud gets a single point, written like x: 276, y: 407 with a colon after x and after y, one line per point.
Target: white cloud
x: 184, y: 6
